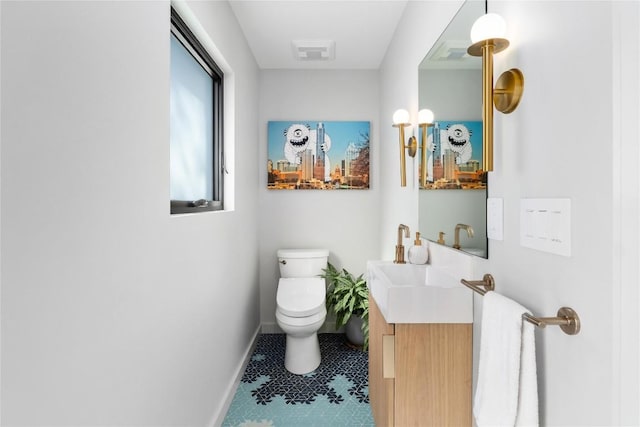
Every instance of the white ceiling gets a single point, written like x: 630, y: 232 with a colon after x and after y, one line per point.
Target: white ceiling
x: 361, y: 30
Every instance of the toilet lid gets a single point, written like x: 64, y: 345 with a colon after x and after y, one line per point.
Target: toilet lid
x: 302, y: 253
x: 300, y: 297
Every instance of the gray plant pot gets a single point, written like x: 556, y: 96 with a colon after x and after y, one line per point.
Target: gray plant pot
x: 353, y: 330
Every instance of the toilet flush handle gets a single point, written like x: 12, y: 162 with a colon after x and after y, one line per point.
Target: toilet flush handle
x: 283, y: 261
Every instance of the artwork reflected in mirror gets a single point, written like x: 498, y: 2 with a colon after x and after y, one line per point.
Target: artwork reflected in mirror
x: 450, y: 84
x: 455, y: 156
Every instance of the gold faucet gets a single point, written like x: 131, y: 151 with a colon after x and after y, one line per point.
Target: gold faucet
x: 456, y: 242
x: 400, y: 247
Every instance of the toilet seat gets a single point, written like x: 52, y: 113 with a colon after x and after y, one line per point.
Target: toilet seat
x: 305, y: 322
x: 301, y: 297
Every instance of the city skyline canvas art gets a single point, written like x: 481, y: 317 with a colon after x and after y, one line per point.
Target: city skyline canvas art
x: 318, y: 155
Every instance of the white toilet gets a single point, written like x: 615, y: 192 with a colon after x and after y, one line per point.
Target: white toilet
x: 301, y: 307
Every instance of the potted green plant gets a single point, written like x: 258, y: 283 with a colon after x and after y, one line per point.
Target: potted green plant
x: 348, y: 299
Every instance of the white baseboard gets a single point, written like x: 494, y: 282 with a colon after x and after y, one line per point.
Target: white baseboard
x: 327, y: 328
x: 218, y: 418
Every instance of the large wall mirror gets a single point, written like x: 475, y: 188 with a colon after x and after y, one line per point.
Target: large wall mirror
x: 450, y: 84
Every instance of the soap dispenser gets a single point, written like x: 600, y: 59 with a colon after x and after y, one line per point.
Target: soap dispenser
x: 418, y: 254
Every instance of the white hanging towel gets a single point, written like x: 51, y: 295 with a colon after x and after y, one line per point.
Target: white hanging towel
x: 507, y: 388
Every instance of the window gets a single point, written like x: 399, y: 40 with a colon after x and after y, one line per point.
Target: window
x: 196, y: 154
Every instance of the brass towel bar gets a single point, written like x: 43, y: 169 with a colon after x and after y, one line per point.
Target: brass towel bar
x: 566, y: 318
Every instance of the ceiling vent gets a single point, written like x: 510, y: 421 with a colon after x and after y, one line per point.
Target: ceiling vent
x: 314, y: 50
x: 451, y: 55
x: 451, y: 50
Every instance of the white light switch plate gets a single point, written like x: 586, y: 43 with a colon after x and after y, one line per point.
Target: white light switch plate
x: 494, y: 219
x: 545, y: 225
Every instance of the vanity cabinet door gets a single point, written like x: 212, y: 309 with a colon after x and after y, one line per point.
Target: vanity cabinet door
x: 433, y: 374
x: 419, y: 374
x: 381, y: 389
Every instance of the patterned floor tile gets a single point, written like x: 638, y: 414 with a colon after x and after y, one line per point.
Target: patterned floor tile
x: 335, y: 394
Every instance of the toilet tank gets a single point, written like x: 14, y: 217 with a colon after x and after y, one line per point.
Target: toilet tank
x: 302, y: 262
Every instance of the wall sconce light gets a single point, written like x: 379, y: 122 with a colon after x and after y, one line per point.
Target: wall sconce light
x: 400, y: 121
x: 425, y: 119
x: 487, y: 36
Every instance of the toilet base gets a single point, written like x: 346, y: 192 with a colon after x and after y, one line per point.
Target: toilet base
x: 302, y: 354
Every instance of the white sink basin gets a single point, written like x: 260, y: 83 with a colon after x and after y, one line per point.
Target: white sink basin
x: 408, y: 293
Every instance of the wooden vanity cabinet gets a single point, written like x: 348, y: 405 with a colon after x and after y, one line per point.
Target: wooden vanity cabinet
x: 419, y: 373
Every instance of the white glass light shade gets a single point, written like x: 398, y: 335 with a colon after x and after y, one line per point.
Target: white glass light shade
x: 425, y: 116
x: 400, y: 116
x: 489, y: 26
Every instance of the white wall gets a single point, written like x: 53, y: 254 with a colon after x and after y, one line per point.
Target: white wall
x: 114, y: 312
x: 560, y: 142
x: 626, y: 208
x: 536, y: 156
x: 454, y: 94
x: 343, y: 221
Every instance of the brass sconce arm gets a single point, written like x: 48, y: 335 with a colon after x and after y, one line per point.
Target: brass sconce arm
x: 400, y: 121
x: 423, y: 159
x: 509, y: 87
x: 425, y: 119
